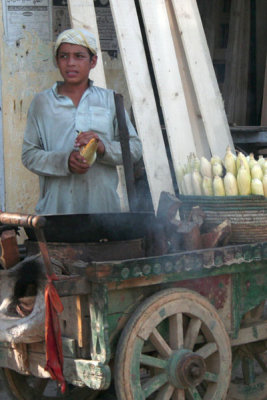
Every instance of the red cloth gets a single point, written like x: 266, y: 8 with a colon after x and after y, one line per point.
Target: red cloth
x: 54, y: 354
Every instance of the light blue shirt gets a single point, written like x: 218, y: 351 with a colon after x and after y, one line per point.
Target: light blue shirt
x: 52, y: 125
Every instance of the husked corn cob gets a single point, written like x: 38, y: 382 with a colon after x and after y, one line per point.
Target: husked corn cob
x: 218, y: 187
x: 230, y: 184
x: 89, y: 151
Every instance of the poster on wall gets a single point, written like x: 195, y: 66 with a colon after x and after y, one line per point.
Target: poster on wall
x: 26, y: 15
x: 106, y: 28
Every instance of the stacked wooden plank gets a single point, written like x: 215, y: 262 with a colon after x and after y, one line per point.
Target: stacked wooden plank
x: 186, y: 85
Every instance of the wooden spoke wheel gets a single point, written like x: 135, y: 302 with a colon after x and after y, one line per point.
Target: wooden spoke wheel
x: 176, y: 347
x: 22, y: 387
x: 249, y: 372
x: 249, y: 376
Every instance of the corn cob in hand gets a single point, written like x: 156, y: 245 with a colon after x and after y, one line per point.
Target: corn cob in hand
x: 89, y: 151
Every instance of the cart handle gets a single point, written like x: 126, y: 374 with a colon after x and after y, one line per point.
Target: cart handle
x: 25, y: 220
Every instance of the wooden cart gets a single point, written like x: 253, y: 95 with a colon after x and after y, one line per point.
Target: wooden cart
x: 180, y: 326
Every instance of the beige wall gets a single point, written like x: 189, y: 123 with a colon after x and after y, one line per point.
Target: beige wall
x: 26, y: 68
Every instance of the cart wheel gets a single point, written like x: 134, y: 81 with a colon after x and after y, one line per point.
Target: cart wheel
x: 22, y: 387
x: 249, y: 372
x: 174, y: 346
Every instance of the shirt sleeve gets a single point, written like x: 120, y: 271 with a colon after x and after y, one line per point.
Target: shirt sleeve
x: 35, y: 157
x: 113, y: 153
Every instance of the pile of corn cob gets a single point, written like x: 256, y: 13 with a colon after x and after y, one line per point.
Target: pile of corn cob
x: 233, y: 176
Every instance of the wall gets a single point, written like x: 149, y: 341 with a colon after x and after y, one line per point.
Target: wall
x: 26, y: 68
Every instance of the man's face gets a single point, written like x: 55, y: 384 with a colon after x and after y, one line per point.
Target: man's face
x: 74, y: 63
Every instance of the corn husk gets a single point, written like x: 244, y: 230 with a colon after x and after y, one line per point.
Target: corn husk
x: 205, y: 167
x: 256, y: 171
x: 217, y: 169
x: 251, y: 160
x: 264, y: 184
x: 207, y: 189
x: 261, y: 161
x: 264, y: 167
x: 196, y: 166
x: 230, y: 185
x: 243, y: 181
x: 196, y: 182
x: 218, y: 187
x: 182, y: 189
x: 215, y: 160
x: 230, y: 161
x: 241, y: 158
x: 179, y: 176
x: 257, y: 187
x: 187, y: 184
x: 190, y: 162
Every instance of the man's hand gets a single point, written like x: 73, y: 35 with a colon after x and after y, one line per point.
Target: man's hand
x: 84, y: 137
x: 77, y: 164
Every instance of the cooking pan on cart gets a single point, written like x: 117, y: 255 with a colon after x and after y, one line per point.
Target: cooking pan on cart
x: 77, y: 228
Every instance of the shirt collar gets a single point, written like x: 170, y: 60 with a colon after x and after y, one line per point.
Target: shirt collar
x: 56, y: 84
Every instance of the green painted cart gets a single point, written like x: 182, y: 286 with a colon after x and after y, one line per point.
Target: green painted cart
x: 180, y: 326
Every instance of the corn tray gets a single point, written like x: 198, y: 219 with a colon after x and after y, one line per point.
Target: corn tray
x: 248, y: 214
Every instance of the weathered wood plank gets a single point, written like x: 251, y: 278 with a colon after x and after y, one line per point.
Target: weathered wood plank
x: 198, y: 128
x: 203, y: 76
x: 82, y: 15
x: 169, y: 83
x: 253, y: 333
x: 142, y: 97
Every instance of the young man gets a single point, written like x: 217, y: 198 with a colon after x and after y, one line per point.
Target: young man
x: 51, y: 140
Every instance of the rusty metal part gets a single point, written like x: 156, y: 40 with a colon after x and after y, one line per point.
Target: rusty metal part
x: 9, y: 251
x: 100, y: 251
x: 191, y: 370
x: 36, y: 222
x: 77, y: 228
x: 168, y: 206
x: 25, y: 220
